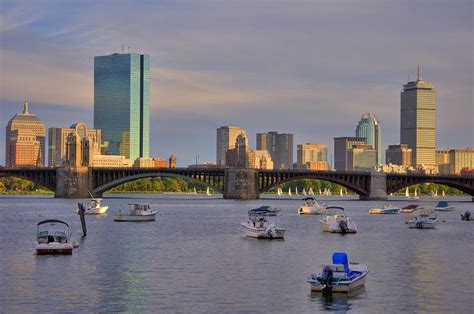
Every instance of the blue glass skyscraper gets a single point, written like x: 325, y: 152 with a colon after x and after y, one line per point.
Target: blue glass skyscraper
x: 122, y: 103
x: 369, y: 128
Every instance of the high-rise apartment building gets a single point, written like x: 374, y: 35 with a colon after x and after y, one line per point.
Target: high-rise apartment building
x: 342, y: 145
x: 280, y: 147
x: 226, y: 136
x: 25, y: 140
x: 398, y: 155
x: 418, y: 120
x: 122, y: 103
x: 57, y: 142
x: 369, y: 128
x: 312, y: 155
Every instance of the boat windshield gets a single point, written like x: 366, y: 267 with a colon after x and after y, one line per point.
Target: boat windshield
x: 55, y: 228
x: 139, y: 206
x: 332, y: 211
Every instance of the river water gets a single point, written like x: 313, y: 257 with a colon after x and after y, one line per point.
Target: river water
x: 194, y: 258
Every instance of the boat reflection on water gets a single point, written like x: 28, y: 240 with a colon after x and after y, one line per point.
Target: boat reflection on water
x: 339, y: 302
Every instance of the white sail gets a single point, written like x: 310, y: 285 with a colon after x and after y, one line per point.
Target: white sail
x: 436, y: 193
x: 279, y: 191
x: 195, y: 192
x: 289, y: 191
x: 208, y: 192
x: 407, y: 193
x: 320, y: 193
x: 296, y: 191
x: 310, y: 192
x: 304, y: 192
x: 415, y: 194
x: 329, y: 192
x: 444, y: 194
x: 340, y: 192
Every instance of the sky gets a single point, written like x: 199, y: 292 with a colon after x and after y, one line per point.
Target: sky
x: 311, y: 68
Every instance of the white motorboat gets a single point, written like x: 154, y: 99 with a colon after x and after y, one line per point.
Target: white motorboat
x: 444, y: 206
x: 137, y: 212
x: 95, y: 208
x: 422, y: 218
x: 259, y: 224
x: 340, y: 276
x: 386, y: 209
x: 336, y: 220
x: 53, y: 237
x: 311, y: 207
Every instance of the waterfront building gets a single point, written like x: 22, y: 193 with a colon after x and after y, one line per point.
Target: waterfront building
x: 111, y: 161
x: 226, y: 136
x: 172, y: 161
x: 369, y: 128
x: 442, y: 160
x: 341, y: 147
x: 418, y: 120
x: 312, y: 155
x: 142, y: 162
x: 57, y: 140
x: 280, y: 147
x: 160, y: 163
x: 23, y: 131
x: 122, y: 103
x: 361, y: 157
x: 459, y: 159
x: 399, y: 154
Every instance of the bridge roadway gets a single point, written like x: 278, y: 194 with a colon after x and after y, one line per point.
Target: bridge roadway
x: 235, y: 183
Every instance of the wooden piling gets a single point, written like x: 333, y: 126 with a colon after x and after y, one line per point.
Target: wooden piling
x: 83, y: 219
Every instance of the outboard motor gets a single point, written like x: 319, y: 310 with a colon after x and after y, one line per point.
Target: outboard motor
x: 270, y: 230
x: 343, y: 226
x: 466, y: 216
x: 326, y: 280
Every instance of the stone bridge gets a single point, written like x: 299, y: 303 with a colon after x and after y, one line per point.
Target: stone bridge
x: 234, y: 183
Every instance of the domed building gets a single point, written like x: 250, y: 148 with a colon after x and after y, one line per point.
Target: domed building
x: 25, y: 140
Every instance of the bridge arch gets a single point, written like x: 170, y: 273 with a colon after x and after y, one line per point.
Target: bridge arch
x: 112, y: 184
x: 347, y: 184
x: 396, y: 182
x: 46, y: 180
x: 462, y: 188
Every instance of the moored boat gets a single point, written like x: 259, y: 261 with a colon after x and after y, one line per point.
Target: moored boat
x: 387, y: 209
x: 409, y: 208
x: 422, y: 218
x: 335, y: 220
x: 467, y: 216
x: 340, y: 276
x: 444, y: 206
x: 311, y: 207
x: 259, y: 224
x: 95, y: 208
x: 53, y: 237
x: 137, y: 212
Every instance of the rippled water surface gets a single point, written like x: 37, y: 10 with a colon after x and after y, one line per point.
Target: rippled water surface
x: 194, y: 258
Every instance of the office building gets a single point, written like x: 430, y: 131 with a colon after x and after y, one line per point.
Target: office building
x: 280, y: 147
x: 242, y: 156
x: 341, y: 148
x: 369, y: 128
x: 418, y: 120
x: 226, y: 136
x: 361, y: 157
x: 25, y: 140
x: 312, y: 156
x: 442, y: 160
x: 398, y: 155
x: 460, y: 159
x: 57, y: 141
x: 122, y: 103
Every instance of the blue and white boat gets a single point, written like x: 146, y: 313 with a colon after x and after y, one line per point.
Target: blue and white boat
x: 340, y: 276
x: 444, y: 206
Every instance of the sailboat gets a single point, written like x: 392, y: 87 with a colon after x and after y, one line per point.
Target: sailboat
x: 407, y: 193
x: 208, y: 192
x: 340, y: 192
x: 296, y: 192
x: 415, y: 194
x: 443, y: 194
x: 329, y: 192
x: 289, y: 191
x: 195, y: 192
x: 320, y: 193
x: 304, y: 192
x: 310, y: 191
x: 436, y: 193
x: 279, y: 191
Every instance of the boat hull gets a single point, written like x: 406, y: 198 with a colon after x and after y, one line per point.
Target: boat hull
x: 261, y: 233
x: 127, y: 217
x: 384, y: 211
x: 311, y: 210
x: 54, y: 249
x: 422, y: 223
x: 333, y: 227
x: 445, y: 209
x: 345, y: 285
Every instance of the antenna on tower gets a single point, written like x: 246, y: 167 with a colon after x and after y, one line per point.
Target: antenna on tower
x: 418, y: 73
x: 128, y: 49
x: 122, y: 48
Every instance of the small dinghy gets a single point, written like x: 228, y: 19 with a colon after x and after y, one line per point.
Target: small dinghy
x: 387, y: 209
x: 311, y: 207
x: 340, y: 276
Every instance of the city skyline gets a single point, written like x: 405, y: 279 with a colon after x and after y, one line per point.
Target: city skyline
x: 315, y: 93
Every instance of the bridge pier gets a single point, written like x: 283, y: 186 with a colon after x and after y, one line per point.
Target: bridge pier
x: 378, y: 187
x: 73, y: 182
x: 241, y: 183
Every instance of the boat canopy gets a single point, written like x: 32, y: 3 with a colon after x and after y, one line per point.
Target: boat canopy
x: 335, y: 207
x: 309, y: 198
x: 442, y: 204
x: 262, y: 209
x: 52, y: 221
x: 341, y: 258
